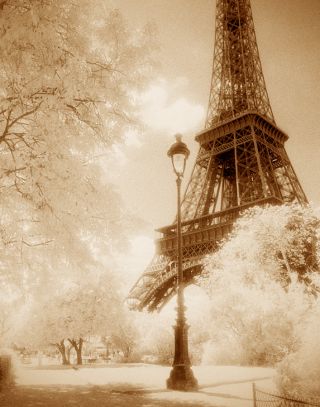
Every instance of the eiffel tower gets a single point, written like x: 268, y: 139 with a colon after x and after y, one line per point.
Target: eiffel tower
x: 242, y: 161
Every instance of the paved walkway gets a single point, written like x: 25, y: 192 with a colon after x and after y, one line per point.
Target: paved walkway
x: 133, y: 386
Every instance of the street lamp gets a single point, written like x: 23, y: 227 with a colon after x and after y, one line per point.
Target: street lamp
x: 181, y: 375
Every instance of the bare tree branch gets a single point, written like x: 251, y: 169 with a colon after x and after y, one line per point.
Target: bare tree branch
x: 36, y: 244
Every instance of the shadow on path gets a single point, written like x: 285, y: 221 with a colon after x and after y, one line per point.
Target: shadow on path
x: 89, y: 396
x: 225, y: 396
x: 226, y: 383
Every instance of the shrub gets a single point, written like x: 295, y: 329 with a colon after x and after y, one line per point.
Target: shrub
x: 299, y: 372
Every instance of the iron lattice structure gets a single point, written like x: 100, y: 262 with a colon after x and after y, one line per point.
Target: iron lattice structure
x: 237, y: 83
x: 241, y: 161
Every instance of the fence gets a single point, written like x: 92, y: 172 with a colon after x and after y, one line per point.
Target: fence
x: 262, y: 398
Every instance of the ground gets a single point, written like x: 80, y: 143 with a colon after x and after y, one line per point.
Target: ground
x: 132, y: 385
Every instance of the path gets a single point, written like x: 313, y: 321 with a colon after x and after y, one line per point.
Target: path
x: 133, y: 385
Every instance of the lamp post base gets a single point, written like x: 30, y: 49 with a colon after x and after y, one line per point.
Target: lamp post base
x: 182, y: 378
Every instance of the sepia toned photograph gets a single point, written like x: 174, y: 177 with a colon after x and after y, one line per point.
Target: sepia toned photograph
x: 159, y: 203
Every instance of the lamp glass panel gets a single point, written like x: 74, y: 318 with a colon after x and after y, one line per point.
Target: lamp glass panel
x: 179, y: 163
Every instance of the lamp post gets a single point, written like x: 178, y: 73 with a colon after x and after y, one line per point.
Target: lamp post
x: 181, y: 375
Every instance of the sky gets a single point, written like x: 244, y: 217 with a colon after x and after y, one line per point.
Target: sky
x: 288, y: 36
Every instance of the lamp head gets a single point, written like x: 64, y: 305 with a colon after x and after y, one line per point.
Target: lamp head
x: 179, y: 153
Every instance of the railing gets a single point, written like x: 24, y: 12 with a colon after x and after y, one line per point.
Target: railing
x: 217, y: 218
x: 204, y: 229
x: 262, y: 398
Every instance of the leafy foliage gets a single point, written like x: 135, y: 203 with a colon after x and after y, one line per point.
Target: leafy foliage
x: 69, y: 76
x: 299, y: 371
x: 77, y: 312
x: 262, y: 286
x: 124, y: 337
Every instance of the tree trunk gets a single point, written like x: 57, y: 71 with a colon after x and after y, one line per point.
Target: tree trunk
x: 78, y: 349
x: 68, y: 351
x: 127, y: 352
x: 62, y: 349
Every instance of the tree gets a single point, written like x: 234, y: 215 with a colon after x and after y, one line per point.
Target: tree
x: 70, y: 70
x: 67, y: 319
x: 278, y: 239
x: 65, y: 90
x: 298, y: 373
x: 67, y: 94
x: 155, y: 336
x: 262, y: 285
x: 69, y: 76
x: 124, y: 336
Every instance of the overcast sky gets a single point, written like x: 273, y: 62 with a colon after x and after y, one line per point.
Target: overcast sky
x: 288, y: 35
